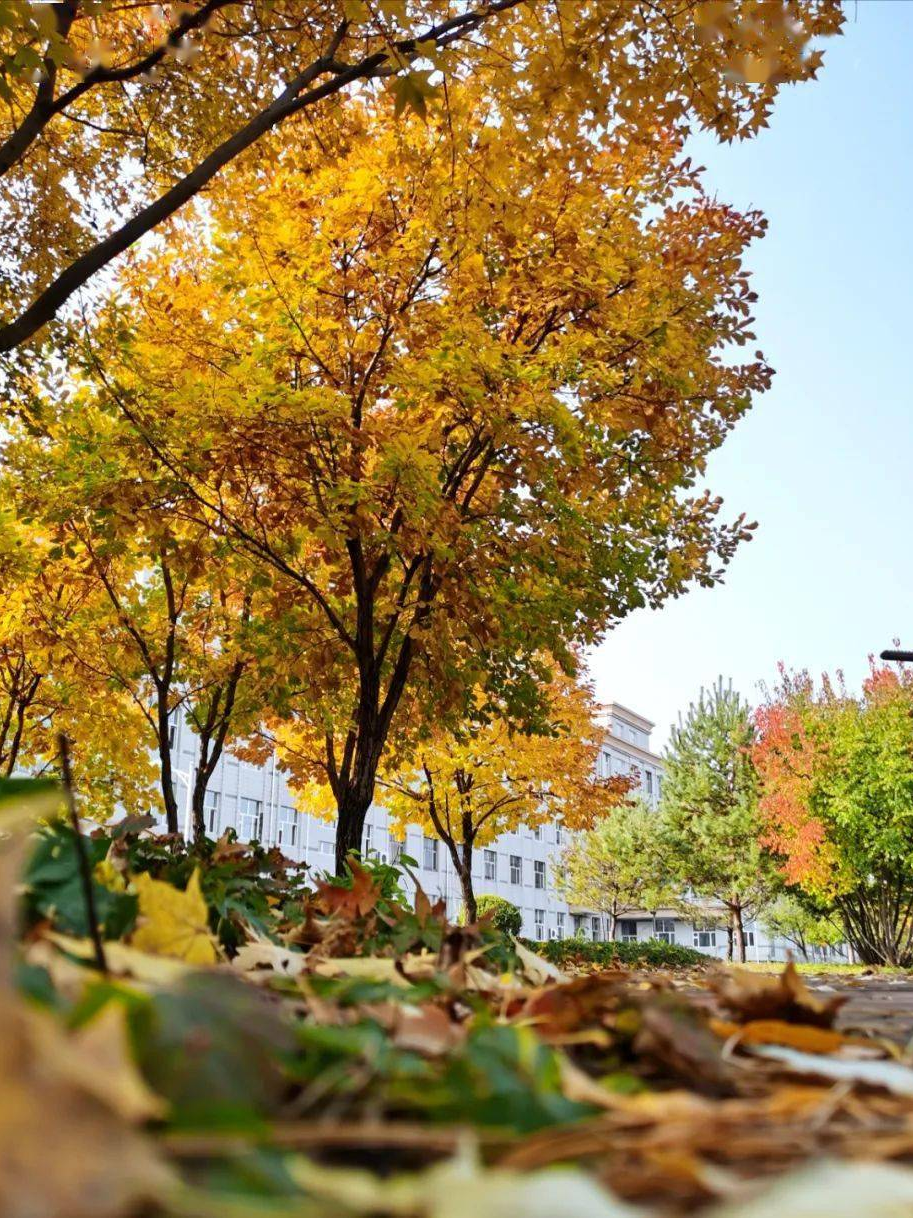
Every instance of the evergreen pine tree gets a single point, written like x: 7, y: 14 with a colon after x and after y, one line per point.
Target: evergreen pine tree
x: 710, y: 810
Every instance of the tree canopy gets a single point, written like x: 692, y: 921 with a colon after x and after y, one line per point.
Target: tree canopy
x: 115, y: 115
x: 711, y: 822
x: 837, y: 774
x: 471, y: 785
x: 451, y: 407
x: 618, y: 865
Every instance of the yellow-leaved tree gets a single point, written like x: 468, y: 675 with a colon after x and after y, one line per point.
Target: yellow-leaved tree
x: 51, y: 681
x: 149, y: 606
x: 115, y: 115
x: 469, y: 786
x: 450, y: 398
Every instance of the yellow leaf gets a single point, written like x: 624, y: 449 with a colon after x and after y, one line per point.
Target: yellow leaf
x: 98, y: 1059
x: 174, y: 923
x: 122, y: 959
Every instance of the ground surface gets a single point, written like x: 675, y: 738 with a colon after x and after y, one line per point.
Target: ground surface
x: 883, y: 1002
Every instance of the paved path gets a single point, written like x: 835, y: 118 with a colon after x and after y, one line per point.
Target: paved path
x: 883, y: 1003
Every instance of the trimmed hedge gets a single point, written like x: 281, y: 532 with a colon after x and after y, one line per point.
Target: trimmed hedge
x: 651, y: 951
x: 504, y: 915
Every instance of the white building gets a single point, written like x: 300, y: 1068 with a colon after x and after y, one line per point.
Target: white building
x: 256, y: 802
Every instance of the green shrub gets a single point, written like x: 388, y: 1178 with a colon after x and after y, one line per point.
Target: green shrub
x: 650, y: 952
x: 504, y: 915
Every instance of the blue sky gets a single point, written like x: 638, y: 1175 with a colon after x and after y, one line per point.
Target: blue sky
x: 824, y: 461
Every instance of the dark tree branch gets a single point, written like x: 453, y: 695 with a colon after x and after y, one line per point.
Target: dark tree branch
x: 297, y: 96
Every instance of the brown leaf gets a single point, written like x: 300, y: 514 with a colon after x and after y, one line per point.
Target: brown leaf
x: 426, y: 1029
x: 353, y: 902
x: 751, y: 996
x: 677, y: 1043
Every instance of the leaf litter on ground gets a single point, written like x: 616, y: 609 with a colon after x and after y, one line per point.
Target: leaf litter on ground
x: 265, y: 1044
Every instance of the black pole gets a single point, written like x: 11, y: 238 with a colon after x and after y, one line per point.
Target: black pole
x: 904, y: 657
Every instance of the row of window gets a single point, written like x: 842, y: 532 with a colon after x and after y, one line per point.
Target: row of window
x: 249, y: 811
x: 663, y: 929
x: 651, y: 782
x: 431, y: 857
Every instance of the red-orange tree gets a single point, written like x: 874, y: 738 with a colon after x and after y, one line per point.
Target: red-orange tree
x: 836, y: 777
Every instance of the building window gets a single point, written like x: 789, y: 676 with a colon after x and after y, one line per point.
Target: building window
x: 516, y: 869
x: 560, y: 918
x: 171, y: 731
x: 648, y: 777
x: 251, y: 819
x: 704, y: 936
x: 288, y: 827
x: 327, y: 846
x: 396, y: 850
x: 595, y: 929
x: 539, y: 873
x: 749, y: 938
x: 490, y: 864
x: 558, y: 834
x: 430, y: 854
x: 537, y: 833
x: 627, y: 930
x: 367, y: 846
x: 659, y: 786
x: 664, y: 929
x: 539, y: 920
x: 211, y: 808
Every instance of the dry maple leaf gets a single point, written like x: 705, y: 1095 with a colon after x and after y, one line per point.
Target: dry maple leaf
x: 750, y: 996
x: 353, y: 902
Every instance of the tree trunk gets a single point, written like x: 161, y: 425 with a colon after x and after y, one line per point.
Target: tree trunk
x: 198, y: 804
x: 353, y: 809
x: 874, y: 936
x: 212, y: 732
x: 469, y: 896
x: 730, y: 936
x: 739, y: 933
x: 167, y: 777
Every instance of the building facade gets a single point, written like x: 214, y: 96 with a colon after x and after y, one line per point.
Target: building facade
x: 256, y: 802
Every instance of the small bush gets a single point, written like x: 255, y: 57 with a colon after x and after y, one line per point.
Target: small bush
x: 651, y: 952
x: 504, y: 915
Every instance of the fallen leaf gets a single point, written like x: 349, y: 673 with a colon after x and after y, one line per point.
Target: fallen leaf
x: 98, y: 1058
x: 831, y: 1190
x: 371, y: 968
x: 892, y: 1076
x: 752, y: 996
x: 460, y: 1187
x: 266, y: 959
x: 125, y: 961
x: 64, y: 1153
x: 796, y: 1035
x: 536, y: 969
x: 426, y: 1029
x: 352, y: 902
x: 174, y: 923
